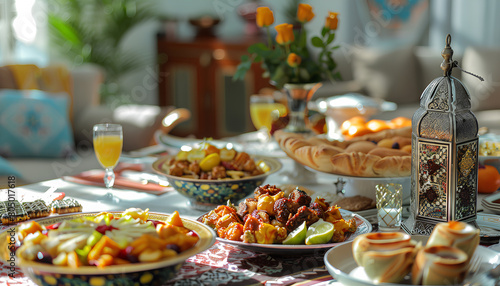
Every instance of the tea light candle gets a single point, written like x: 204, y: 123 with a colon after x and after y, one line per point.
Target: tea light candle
x: 389, y: 218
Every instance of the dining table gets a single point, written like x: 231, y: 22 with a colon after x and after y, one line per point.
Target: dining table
x: 221, y: 264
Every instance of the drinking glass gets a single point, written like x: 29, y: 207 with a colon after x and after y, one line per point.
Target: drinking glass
x: 108, y: 142
x: 263, y: 110
x: 389, y: 206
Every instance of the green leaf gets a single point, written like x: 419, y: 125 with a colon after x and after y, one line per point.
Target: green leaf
x: 256, y: 48
x: 317, y: 42
x: 330, y: 39
x: 65, y: 30
x: 335, y: 47
x: 241, y: 70
x: 324, y: 31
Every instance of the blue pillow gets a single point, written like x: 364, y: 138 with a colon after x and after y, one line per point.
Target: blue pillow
x: 34, y: 123
x: 6, y: 169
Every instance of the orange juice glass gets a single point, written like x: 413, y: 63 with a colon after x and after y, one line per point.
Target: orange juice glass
x: 263, y: 109
x: 108, y: 142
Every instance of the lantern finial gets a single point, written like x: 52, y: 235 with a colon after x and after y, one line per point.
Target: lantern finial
x: 447, y: 53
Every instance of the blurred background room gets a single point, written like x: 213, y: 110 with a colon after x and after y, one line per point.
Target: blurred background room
x: 132, y: 61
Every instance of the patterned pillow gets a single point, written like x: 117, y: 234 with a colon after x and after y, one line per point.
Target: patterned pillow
x: 34, y: 123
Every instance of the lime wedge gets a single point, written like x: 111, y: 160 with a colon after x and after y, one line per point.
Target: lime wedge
x: 297, y: 236
x: 319, y: 232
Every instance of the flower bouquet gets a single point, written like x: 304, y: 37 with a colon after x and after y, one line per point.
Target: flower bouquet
x: 288, y: 62
x: 288, y: 59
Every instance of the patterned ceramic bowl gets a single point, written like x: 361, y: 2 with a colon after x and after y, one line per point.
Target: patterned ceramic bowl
x: 205, y: 194
x: 152, y: 273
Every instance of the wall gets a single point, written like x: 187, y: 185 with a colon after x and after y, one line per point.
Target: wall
x: 143, y: 39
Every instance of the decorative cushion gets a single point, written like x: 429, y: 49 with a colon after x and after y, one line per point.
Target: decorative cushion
x: 485, y: 95
x: 7, y: 170
x: 391, y: 75
x: 34, y: 124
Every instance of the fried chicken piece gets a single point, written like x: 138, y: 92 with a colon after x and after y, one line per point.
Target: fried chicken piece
x: 303, y: 214
x: 262, y: 216
x: 218, y: 172
x: 332, y: 214
x: 300, y: 197
x: 283, y: 208
x: 234, y: 231
x: 176, y: 171
x: 240, y: 160
x: 266, y: 190
x: 247, y: 207
x: 321, y: 202
x: 251, y: 224
x: 226, y: 220
x: 194, y: 168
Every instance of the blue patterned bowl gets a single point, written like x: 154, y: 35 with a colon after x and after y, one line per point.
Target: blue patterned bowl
x: 205, y: 194
x: 152, y: 273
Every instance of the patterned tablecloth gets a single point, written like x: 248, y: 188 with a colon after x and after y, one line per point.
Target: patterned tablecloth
x: 224, y: 264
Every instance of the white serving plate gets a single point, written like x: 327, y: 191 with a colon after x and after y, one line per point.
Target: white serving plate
x: 364, y: 226
x: 365, y: 186
x: 340, y: 263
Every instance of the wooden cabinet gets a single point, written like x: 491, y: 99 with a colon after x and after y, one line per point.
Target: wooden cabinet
x: 197, y: 74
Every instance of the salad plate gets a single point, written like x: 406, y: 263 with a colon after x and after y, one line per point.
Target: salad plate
x: 340, y: 263
x: 144, y: 273
x: 364, y: 226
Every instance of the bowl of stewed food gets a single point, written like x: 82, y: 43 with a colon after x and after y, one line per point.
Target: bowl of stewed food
x: 133, y: 247
x: 209, y: 175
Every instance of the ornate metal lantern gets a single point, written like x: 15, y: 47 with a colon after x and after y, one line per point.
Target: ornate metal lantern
x: 444, y: 154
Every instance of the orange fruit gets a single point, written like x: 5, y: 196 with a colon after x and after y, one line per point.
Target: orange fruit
x: 400, y: 122
x: 377, y: 125
x: 358, y: 130
x: 354, y: 121
x: 488, y: 179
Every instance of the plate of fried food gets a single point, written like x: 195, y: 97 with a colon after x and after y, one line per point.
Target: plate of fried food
x: 276, y: 222
x: 208, y: 175
x: 133, y: 247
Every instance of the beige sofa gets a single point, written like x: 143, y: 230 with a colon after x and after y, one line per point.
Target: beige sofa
x: 139, y: 124
x: 402, y: 75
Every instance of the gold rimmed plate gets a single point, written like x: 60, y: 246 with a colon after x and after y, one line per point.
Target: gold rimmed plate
x: 143, y: 273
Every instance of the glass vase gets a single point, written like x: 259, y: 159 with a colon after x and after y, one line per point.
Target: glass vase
x: 298, y: 95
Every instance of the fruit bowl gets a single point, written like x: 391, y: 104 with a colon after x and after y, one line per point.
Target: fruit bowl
x: 206, y: 194
x: 145, y: 273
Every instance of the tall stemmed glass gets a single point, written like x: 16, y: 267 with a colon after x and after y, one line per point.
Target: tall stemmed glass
x: 108, y: 142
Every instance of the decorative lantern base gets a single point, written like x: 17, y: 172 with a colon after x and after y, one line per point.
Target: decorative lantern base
x: 415, y: 226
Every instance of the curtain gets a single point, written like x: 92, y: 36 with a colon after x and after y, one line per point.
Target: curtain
x: 470, y: 23
x: 24, y: 33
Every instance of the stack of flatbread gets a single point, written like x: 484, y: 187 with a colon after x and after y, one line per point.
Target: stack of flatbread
x: 381, y: 154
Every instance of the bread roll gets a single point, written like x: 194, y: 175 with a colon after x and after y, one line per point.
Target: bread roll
x: 359, y: 157
x: 354, y: 164
x: 361, y: 146
x: 393, y: 166
x: 384, y: 152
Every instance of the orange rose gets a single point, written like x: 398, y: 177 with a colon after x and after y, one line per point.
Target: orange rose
x: 285, y: 34
x: 304, y: 13
x: 332, y: 21
x: 265, y: 17
x: 293, y: 60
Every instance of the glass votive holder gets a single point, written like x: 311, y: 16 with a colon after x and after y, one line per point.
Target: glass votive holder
x: 389, y: 206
